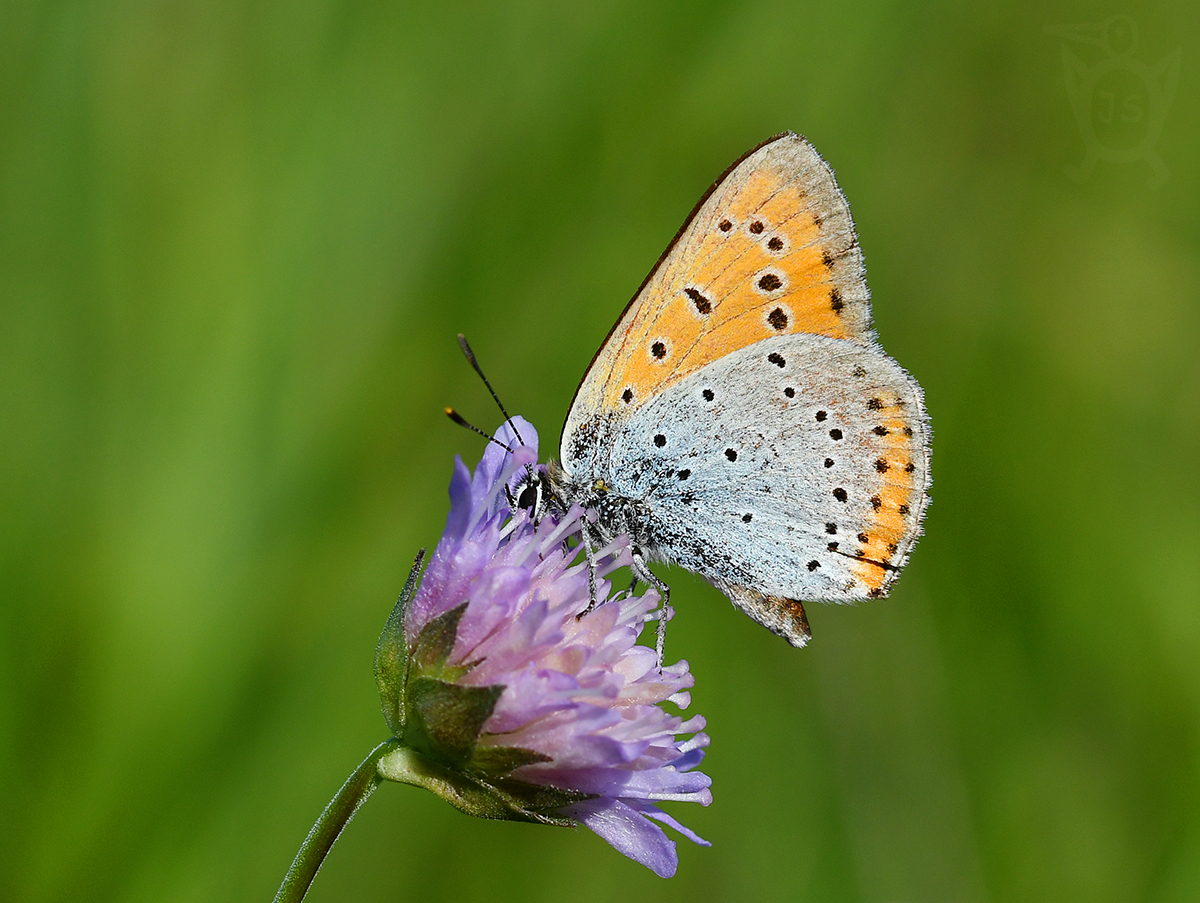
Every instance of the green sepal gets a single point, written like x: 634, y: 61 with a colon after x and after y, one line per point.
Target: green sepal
x: 444, y: 719
x: 500, y: 761
x: 436, y: 642
x: 538, y: 798
x: 507, y: 800
x: 391, y: 654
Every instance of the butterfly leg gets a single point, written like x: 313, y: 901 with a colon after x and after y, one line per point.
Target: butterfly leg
x: 642, y: 572
x: 589, y: 551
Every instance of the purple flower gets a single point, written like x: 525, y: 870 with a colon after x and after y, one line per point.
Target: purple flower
x: 509, y: 702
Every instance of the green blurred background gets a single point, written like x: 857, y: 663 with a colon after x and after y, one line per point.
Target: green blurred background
x: 236, y: 243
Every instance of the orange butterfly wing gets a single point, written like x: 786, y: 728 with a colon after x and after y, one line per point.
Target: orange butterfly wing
x: 770, y: 250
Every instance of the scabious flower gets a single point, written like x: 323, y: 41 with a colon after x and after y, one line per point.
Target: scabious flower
x: 511, y: 700
x: 511, y: 696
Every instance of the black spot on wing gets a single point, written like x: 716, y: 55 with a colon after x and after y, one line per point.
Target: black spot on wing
x: 702, y: 304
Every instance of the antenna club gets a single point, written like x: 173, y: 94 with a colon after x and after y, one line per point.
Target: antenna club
x: 462, y: 421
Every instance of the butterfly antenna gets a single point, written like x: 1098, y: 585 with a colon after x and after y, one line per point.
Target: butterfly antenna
x: 470, y: 356
x: 462, y: 421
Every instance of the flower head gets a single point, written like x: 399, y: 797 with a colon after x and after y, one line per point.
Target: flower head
x: 511, y: 699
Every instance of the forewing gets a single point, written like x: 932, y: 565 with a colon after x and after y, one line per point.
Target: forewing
x: 770, y: 251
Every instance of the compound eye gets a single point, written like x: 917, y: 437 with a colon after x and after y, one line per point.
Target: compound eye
x: 528, y: 498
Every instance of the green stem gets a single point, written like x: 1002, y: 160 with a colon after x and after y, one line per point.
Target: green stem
x: 336, y: 816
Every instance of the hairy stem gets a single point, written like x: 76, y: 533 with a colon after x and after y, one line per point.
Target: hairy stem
x: 336, y: 816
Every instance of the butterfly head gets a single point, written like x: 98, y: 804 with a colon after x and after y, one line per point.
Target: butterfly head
x: 529, y: 492
x: 533, y: 492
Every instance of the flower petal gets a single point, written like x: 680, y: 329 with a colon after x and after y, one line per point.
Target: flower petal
x: 629, y: 832
x: 658, y: 815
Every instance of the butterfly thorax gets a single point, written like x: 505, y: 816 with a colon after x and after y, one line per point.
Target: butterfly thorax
x: 614, y: 514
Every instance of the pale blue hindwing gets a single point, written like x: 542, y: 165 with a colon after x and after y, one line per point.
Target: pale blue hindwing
x: 779, y: 477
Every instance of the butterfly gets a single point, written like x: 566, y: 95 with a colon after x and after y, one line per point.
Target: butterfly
x: 741, y: 420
